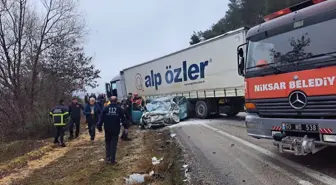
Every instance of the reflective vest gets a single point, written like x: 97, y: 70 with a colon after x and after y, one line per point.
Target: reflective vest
x: 60, y: 119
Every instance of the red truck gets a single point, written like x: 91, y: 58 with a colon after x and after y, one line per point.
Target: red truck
x: 289, y: 66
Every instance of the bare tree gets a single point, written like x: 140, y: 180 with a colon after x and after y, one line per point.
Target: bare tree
x: 31, y: 36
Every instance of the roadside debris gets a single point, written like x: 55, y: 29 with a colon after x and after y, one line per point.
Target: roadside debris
x: 156, y: 161
x: 186, y: 173
x: 172, y: 135
x: 135, y: 178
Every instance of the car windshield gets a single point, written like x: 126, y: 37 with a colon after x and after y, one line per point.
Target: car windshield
x: 293, y: 46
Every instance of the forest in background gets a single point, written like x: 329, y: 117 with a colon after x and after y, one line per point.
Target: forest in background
x: 242, y: 13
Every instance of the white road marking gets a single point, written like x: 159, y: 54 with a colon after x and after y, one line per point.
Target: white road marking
x: 274, y: 166
x: 309, y: 172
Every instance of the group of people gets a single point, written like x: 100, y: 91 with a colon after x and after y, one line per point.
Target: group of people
x: 109, y: 114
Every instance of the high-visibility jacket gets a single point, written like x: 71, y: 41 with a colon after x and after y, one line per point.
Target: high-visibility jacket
x: 107, y: 103
x: 60, y: 115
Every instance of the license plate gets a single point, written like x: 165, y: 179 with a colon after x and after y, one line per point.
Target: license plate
x: 302, y: 127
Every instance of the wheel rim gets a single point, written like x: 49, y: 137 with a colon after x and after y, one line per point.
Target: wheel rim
x: 201, y: 110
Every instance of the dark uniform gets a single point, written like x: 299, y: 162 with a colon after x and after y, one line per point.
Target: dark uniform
x: 75, y: 117
x: 111, y: 116
x: 60, y: 115
x: 126, y: 123
x: 128, y: 108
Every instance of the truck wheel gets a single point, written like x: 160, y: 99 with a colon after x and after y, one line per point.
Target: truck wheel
x: 201, y: 109
x: 232, y: 113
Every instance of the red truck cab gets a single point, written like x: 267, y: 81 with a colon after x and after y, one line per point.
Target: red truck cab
x: 289, y: 65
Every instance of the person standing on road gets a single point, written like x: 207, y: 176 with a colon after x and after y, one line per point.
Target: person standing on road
x: 111, y: 117
x: 59, y: 115
x: 92, y: 113
x: 126, y: 123
x: 75, y: 109
x: 139, y: 102
x: 128, y: 107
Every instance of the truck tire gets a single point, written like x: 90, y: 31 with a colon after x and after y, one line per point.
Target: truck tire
x: 201, y: 109
x: 232, y: 113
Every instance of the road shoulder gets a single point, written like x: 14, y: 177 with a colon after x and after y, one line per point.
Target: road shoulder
x: 81, y: 162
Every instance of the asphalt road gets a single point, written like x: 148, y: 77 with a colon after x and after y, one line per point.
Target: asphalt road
x: 219, y: 151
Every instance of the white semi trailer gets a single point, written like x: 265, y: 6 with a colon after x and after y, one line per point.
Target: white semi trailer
x: 205, y: 73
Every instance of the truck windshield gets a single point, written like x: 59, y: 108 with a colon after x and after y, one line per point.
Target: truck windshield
x: 306, y: 42
x: 114, y: 85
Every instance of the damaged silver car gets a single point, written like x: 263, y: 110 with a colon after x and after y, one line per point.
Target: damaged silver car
x: 165, y: 111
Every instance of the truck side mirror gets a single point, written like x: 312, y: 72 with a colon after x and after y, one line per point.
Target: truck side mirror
x: 108, y: 89
x: 241, y: 60
x: 241, y: 66
x: 240, y: 52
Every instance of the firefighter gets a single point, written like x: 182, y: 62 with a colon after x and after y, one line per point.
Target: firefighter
x: 111, y: 117
x: 75, y: 109
x: 60, y: 115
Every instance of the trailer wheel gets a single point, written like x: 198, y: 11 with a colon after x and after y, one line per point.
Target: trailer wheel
x: 201, y: 109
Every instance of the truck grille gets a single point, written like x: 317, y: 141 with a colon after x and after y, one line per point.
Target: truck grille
x: 317, y: 107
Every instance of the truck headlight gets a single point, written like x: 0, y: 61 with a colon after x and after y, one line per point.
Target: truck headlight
x: 329, y: 138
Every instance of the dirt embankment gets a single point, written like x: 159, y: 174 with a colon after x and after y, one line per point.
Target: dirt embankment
x: 80, y: 162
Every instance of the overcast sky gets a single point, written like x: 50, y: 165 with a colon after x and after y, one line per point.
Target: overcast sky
x: 125, y: 33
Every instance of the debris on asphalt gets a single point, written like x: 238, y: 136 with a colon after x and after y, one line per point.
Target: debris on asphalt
x: 156, y: 161
x: 172, y: 135
x: 214, y: 152
x: 232, y: 145
x: 186, y: 173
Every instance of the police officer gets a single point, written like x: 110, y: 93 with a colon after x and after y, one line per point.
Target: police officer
x: 75, y: 116
x: 60, y: 115
x: 128, y: 106
x: 111, y: 116
x: 126, y: 123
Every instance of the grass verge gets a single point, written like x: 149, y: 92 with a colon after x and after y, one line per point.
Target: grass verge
x: 15, y: 149
x: 23, y: 160
x: 82, y: 163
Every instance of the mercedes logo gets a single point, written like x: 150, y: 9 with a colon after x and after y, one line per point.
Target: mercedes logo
x: 295, y: 77
x: 297, y: 100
